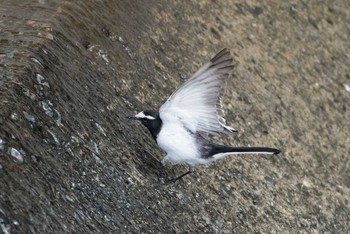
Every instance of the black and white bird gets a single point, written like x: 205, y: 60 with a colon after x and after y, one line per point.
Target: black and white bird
x: 190, y: 112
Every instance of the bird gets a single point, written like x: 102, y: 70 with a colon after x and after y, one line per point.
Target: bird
x: 192, y: 112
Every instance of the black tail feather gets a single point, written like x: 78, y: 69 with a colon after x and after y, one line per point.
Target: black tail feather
x: 254, y: 150
x: 211, y: 150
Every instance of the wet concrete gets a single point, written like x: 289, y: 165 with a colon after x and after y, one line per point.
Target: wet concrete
x: 70, y: 73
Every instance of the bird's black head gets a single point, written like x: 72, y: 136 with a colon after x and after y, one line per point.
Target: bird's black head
x: 151, y: 119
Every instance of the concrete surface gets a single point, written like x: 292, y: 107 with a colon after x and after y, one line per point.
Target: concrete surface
x: 71, y: 71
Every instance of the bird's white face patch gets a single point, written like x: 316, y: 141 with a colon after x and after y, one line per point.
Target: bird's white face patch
x: 142, y: 115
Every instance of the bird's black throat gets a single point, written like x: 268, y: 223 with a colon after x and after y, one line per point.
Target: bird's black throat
x: 153, y: 125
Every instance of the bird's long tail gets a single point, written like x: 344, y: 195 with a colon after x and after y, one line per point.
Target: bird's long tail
x: 220, y: 151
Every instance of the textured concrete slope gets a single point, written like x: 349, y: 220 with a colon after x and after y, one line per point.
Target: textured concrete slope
x: 70, y: 73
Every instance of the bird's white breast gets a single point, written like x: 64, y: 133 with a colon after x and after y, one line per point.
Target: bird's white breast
x: 178, y: 143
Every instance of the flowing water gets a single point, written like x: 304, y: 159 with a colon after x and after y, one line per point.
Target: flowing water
x: 59, y: 110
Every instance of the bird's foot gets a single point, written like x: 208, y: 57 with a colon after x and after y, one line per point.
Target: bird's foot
x: 179, y: 177
x: 191, y: 169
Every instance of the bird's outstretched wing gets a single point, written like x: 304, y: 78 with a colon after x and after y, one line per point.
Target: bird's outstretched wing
x: 197, y: 103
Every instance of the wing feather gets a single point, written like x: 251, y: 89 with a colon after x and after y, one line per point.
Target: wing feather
x: 198, y: 102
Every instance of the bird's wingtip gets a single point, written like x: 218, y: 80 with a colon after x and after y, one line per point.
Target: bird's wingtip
x: 230, y: 130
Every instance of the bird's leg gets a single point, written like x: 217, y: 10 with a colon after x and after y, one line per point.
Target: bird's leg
x: 191, y: 169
